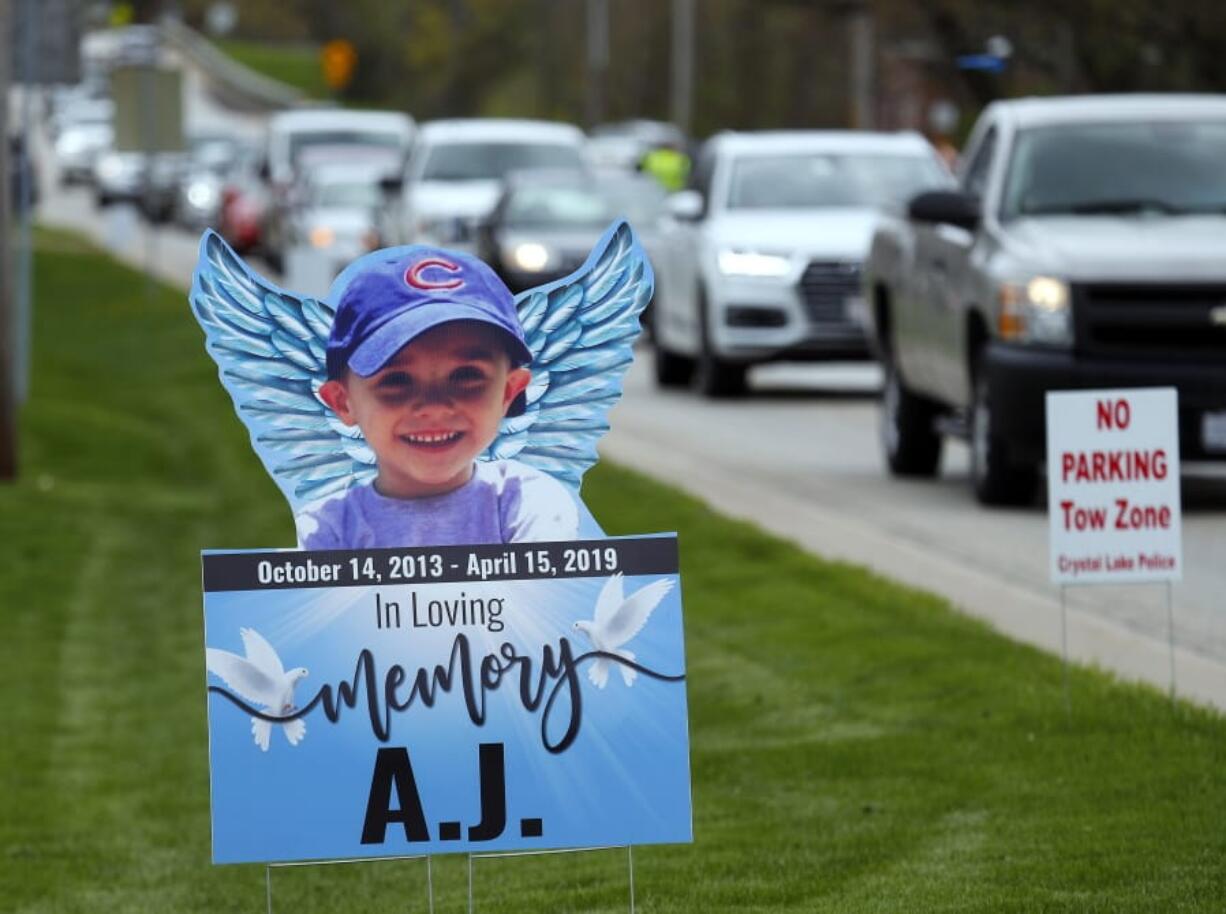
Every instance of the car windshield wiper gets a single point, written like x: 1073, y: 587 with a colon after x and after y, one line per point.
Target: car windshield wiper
x: 1095, y: 207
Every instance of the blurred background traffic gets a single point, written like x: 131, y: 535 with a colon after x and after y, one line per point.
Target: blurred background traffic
x: 770, y: 154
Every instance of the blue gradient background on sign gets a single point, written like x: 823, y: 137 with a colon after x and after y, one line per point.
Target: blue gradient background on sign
x: 625, y: 779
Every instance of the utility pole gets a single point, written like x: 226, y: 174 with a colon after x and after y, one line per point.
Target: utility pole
x: 682, y: 107
x: 8, y: 321
x: 863, y: 59
x: 597, y: 60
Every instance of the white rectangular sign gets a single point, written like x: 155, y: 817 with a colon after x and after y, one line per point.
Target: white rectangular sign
x: 1113, y: 486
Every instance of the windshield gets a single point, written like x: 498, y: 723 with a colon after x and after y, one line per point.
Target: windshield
x: 486, y: 161
x: 361, y: 194
x: 815, y: 180
x: 1113, y: 168
x: 301, y: 141
x: 581, y: 206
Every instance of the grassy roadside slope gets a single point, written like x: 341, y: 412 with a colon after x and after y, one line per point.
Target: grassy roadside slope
x: 856, y: 745
x: 294, y: 65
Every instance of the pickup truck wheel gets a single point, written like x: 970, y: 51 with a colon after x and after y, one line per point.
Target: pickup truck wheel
x: 997, y: 478
x: 672, y: 369
x: 713, y: 376
x: 909, y: 440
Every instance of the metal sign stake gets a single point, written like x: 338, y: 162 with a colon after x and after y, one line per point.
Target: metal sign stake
x: 430, y: 884
x: 1170, y: 633
x: 630, y: 859
x: 1068, y: 703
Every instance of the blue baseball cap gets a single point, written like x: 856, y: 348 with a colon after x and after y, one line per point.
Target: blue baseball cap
x: 388, y: 298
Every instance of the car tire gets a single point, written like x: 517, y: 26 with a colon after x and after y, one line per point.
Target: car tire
x: 997, y: 477
x: 672, y: 369
x: 715, y: 377
x: 909, y: 439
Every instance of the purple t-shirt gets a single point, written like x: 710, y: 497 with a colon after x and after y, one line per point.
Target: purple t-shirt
x: 504, y: 502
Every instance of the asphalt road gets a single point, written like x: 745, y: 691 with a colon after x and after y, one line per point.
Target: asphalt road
x: 799, y: 456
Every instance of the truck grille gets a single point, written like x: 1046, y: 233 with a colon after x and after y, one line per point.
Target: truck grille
x: 825, y: 287
x: 1141, y: 319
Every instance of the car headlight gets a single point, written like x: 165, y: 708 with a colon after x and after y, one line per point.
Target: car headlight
x: 322, y: 236
x: 110, y: 168
x: 529, y: 257
x: 201, y: 194
x: 734, y: 262
x: 1037, y: 311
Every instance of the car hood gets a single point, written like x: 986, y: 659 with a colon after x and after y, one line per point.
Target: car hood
x: 842, y: 233
x: 464, y: 199
x: 1121, y: 247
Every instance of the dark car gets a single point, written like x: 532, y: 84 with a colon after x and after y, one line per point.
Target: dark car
x: 546, y: 223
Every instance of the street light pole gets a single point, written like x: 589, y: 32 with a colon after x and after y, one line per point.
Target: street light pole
x: 597, y: 59
x: 683, y: 64
x: 860, y: 27
x: 8, y: 321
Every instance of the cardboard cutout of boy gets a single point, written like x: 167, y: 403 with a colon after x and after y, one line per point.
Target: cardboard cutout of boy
x: 422, y: 404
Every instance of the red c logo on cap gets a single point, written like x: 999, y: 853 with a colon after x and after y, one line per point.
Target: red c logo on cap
x: 413, y: 276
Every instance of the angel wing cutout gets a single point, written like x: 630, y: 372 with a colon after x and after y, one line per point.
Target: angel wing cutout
x: 269, y: 345
x: 581, y: 331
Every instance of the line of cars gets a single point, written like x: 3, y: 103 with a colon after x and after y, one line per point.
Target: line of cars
x: 759, y: 260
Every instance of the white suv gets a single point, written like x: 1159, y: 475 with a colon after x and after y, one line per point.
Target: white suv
x: 780, y: 223
x: 455, y: 174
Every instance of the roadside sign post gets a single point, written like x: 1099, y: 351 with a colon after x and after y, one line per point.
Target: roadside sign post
x: 148, y: 120
x: 44, y: 39
x: 8, y: 381
x: 1113, y: 497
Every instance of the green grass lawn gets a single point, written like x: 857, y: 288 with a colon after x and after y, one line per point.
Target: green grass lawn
x: 856, y: 746
x: 295, y: 65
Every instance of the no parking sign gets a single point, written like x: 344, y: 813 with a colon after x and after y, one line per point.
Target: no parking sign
x: 1113, y: 486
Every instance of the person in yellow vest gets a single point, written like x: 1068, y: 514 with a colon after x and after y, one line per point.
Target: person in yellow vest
x: 668, y: 165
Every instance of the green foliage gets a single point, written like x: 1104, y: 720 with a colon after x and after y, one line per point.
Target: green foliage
x: 296, y: 65
x: 759, y: 63
x: 856, y: 746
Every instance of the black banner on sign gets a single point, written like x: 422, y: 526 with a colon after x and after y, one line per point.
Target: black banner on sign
x: 287, y: 570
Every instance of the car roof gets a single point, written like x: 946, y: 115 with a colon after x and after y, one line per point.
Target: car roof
x: 1069, y: 109
x: 789, y: 141
x: 338, y: 118
x: 497, y: 129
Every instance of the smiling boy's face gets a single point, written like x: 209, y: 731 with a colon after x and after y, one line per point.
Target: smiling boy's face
x: 432, y: 408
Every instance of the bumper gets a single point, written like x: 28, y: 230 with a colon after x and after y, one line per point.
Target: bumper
x: 763, y: 321
x: 1020, y: 379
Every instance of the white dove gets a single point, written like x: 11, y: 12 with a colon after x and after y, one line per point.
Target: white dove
x: 260, y: 679
x: 617, y: 621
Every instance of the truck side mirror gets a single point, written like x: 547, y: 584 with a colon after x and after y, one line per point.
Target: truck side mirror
x: 945, y: 206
